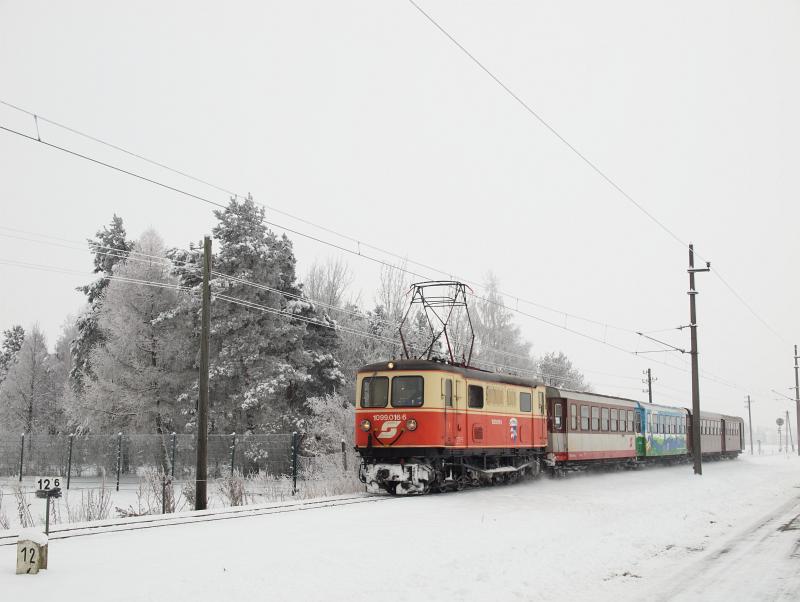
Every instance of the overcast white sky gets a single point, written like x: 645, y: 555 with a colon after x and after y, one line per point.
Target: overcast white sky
x: 363, y: 117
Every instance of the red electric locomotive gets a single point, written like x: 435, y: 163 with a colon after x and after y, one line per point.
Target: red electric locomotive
x: 426, y: 425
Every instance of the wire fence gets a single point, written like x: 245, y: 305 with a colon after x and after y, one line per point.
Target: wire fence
x: 110, y: 456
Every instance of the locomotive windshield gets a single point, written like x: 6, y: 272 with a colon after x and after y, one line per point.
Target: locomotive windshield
x: 375, y: 392
x: 407, y: 391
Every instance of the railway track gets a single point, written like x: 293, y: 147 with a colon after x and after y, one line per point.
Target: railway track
x: 185, y: 518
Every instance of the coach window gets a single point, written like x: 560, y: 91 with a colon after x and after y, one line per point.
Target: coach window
x: 557, y: 414
x: 407, y: 391
x: 375, y: 392
x: 475, y: 396
x: 524, y: 402
x: 614, y: 418
x: 638, y: 418
x: 573, y: 417
x: 604, y: 420
x: 584, y: 418
x: 595, y: 418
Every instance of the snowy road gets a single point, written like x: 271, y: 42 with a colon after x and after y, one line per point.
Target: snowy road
x: 762, y: 561
x: 659, y: 533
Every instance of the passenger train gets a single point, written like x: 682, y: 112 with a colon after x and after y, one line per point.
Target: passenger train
x: 426, y: 426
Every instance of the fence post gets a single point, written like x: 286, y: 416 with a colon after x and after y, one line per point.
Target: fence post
x: 344, y: 456
x: 294, y: 462
x: 69, y: 458
x: 174, y: 437
x: 233, y: 452
x: 47, y: 517
x: 21, y: 456
x: 119, y: 456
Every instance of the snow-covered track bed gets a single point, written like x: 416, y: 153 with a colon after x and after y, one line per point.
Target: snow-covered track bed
x: 184, y: 518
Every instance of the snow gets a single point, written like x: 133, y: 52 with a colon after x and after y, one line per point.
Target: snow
x: 657, y: 533
x: 33, y: 535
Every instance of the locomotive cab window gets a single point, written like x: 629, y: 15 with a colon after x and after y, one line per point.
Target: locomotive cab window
x: 407, y: 391
x: 475, y: 396
x: 524, y: 402
x: 375, y: 392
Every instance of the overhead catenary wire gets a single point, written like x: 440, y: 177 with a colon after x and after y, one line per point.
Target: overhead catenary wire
x: 358, y: 242
x: 256, y: 306
x: 298, y: 233
x: 584, y: 158
x: 127, y: 254
x: 339, y: 247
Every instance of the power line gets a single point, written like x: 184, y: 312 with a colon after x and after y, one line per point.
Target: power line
x: 322, y: 241
x: 299, y: 233
x: 307, y: 222
x: 547, y: 125
x: 594, y: 167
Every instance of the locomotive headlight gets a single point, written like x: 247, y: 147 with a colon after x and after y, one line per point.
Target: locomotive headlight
x: 411, y: 424
x: 364, y: 425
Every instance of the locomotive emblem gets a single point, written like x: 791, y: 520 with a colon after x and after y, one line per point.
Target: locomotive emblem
x: 388, y: 429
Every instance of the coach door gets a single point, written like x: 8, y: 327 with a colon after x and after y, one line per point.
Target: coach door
x: 556, y: 424
x: 723, y: 431
x: 453, y: 401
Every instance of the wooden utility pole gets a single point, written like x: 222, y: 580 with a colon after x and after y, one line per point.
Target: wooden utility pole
x: 750, y: 424
x: 201, y: 474
x: 796, y: 400
x: 698, y: 465
x: 649, y: 383
x: 789, y: 430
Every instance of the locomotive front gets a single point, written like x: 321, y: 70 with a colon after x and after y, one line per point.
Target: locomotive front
x: 400, y: 424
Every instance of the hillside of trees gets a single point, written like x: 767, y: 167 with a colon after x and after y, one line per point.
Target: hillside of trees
x: 283, y: 353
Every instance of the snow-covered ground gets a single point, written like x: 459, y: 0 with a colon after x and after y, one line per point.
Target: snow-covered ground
x: 658, y: 533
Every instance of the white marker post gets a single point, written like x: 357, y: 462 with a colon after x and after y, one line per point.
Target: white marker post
x: 31, y: 552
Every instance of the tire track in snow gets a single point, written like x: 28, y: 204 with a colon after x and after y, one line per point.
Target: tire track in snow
x: 762, y: 560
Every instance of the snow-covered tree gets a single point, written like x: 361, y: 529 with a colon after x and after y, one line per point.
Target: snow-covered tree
x: 327, y: 282
x: 138, y: 372
x: 270, y: 348
x: 556, y: 370
x: 498, y: 340
x: 28, y: 399
x: 13, y: 338
x: 110, y: 248
x: 331, y: 421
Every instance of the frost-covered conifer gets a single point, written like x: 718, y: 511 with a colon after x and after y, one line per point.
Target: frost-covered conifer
x: 13, y: 338
x: 28, y: 394
x: 139, y: 372
x: 110, y: 248
x: 264, y: 363
x: 498, y: 340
